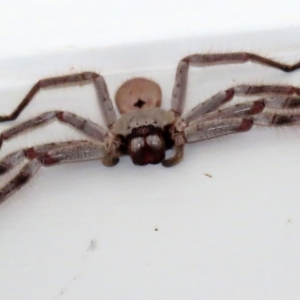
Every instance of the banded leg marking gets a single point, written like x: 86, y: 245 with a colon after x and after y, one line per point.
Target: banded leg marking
x: 81, y: 151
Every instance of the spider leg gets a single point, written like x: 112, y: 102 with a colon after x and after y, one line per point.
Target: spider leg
x: 204, y: 122
x: 15, y: 158
x: 82, y: 151
x: 105, y: 102
x: 241, y: 110
x: 249, y: 108
x: 202, y: 60
x: 281, y: 96
x: 215, y: 128
x: 277, y: 118
x: 199, y: 131
x: 27, y: 172
x: 208, y: 129
x: 85, y: 126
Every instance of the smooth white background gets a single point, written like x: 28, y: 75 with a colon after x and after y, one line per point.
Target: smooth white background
x: 83, y: 231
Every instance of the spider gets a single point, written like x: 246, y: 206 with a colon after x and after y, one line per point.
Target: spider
x: 145, y: 131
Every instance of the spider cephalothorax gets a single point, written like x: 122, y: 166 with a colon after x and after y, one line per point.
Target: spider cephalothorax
x: 144, y: 131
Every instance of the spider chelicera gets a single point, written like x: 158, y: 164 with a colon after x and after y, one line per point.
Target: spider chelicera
x: 145, y: 131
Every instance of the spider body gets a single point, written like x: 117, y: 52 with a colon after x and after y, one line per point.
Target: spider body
x: 144, y: 131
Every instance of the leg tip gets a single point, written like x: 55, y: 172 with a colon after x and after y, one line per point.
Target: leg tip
x: 109, y: 161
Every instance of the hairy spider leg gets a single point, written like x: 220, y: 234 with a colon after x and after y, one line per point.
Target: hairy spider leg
x: 203, y: 60
x: 104, y: 100
x: 78, y: 151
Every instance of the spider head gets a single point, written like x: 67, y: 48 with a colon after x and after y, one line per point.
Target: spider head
x: 145, y: 134
x: 136, y: 94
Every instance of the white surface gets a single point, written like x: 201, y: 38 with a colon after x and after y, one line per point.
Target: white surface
x: 84, y: 231
x: 42, y: 25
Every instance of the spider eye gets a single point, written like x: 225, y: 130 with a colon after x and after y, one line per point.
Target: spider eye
x: 136, y: 94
